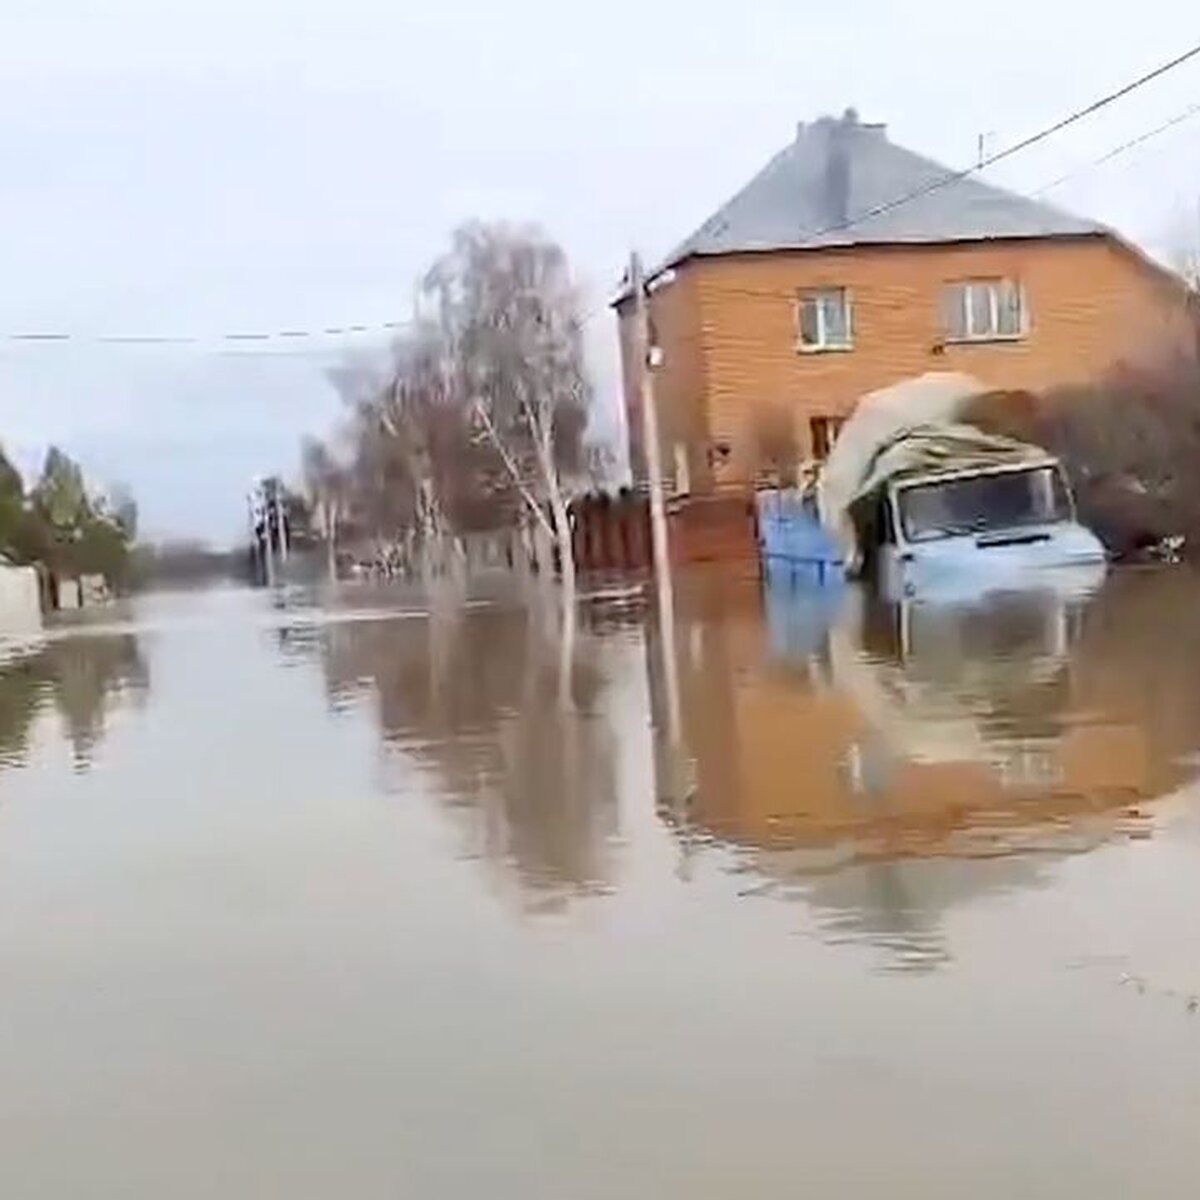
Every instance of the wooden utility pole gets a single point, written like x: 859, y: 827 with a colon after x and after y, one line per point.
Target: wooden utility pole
x: 663, y: 586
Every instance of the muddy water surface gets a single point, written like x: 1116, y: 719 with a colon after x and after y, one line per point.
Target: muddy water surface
x: 308, y: 898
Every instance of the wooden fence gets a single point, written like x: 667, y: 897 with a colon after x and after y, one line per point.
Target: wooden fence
x: 612, y: 533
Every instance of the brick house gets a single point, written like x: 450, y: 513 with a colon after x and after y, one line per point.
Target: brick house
x: 848, y: 263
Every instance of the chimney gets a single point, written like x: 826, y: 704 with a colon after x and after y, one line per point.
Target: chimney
x: 837, y: 167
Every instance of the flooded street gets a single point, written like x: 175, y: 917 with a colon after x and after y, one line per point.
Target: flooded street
x: 303, y: 900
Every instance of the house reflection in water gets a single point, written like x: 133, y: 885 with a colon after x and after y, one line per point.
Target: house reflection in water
x: 888, y: 760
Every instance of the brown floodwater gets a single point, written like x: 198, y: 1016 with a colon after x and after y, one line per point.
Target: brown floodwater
x: 305, y: 898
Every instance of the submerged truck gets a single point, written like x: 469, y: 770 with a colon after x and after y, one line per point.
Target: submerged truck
x: 912, y: 494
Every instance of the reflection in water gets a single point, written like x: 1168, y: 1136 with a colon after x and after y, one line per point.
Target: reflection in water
x: 79, y: 675
x: 844, y: 746
x: 239, y: 942
x: 883, y: 761
x: 507, y: 733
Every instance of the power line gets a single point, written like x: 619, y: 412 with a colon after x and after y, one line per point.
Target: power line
x: 1133, y: 142
x: 236, y: 343
x: 1189, y: 112
x: 230, y: 340
x: 237, y: 338
x: 1009, y: 151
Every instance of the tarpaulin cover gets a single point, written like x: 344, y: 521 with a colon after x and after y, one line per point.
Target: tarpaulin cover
x: 900, y: 430
x: 930, y: 448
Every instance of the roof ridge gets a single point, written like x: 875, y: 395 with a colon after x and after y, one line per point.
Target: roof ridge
x: 835, y: 160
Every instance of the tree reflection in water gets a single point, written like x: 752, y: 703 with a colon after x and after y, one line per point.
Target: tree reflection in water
x: 79, y: 676
x: 505, y: 723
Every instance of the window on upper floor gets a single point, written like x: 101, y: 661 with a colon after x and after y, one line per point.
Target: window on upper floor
x: 983, y: 310
x: 824, y: 319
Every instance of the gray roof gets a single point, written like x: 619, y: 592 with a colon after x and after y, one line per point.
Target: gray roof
x: 818, y: 192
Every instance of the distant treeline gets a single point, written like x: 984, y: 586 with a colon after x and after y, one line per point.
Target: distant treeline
x: 62, y: 526
x: 188, y: 563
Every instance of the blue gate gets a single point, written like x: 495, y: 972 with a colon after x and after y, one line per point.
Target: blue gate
x: 792, y: 540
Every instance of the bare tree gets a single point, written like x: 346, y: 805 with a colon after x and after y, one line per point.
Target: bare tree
x: 510, y: 316
x: 600, y: 463
x: 1185, y: 245
x: 377, y: 506
x: 481, y: 410
x: 328, y: 482
x: 1129, y: 442
x: 418, y: 474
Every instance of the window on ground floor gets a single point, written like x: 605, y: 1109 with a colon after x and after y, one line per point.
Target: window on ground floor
x: 823, y: 432
x: 983, y: 310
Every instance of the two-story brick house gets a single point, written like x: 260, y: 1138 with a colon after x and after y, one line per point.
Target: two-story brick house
x: 848, y: 263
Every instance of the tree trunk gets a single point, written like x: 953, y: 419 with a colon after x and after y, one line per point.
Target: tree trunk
x: 562, y: 536
x: 566, y: 558
x: 331, y: 541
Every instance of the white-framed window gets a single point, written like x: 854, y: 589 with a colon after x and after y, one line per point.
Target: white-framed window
x: 983, y: 310
x: 824, y: 319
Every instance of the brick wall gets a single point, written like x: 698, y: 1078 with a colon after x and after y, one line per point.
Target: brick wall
x: 727, y: 326
x: 679, y: 380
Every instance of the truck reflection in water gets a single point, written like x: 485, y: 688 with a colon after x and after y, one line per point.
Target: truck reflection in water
x: 886, y: 760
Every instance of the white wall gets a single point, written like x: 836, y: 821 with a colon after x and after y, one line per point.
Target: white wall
x: 20, y: 604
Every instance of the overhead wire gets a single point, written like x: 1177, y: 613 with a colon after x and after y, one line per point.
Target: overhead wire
x: 1115, y: 152
x: 232, y: 338
x: 236, y: 344
x: 1016, y: 148
x: 227, y: 342
x: 1178, y: 119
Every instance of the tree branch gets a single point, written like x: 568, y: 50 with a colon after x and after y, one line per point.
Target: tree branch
x: 511, y: 466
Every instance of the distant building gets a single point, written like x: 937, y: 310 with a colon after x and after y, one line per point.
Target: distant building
x: 847, y: 263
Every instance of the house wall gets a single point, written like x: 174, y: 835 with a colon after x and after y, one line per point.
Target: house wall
x: 728, y: 329
x: 679, y: 381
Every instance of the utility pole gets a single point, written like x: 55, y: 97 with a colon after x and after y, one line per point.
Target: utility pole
x: 284, y: 534
x: 331, y: 517
x: 281, y: 524
x: 663, y: 586
x: 260, y: 509
x: 255, y: 547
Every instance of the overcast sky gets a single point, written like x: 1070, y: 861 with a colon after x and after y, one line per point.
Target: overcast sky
x: 172, y: 168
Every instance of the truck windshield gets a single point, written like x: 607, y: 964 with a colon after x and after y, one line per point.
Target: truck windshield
x: 982, y: 502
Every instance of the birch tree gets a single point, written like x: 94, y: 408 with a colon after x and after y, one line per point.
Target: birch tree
x: 416, y: 473
x: 327, y: 481
x: 1184, y: 245
x: 509, y: 314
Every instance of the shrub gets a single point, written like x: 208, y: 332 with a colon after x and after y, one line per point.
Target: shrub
x: 1130, y: 443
